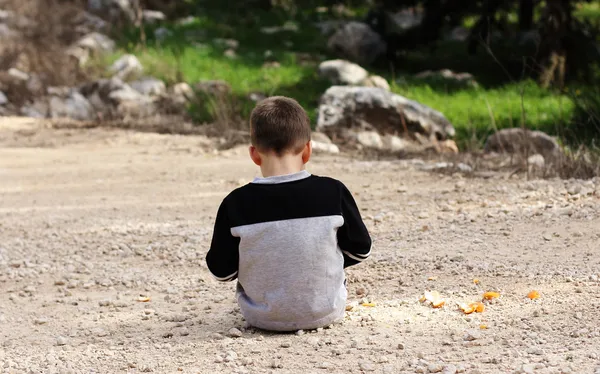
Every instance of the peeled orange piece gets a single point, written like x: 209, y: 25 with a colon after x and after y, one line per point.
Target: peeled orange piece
x: 478, y: 307
x: 434, y: 298
x: 143, y: 299
x: 491, y: 295
x: 467, y: 309
x: 476, y: 281
x: 438, y: 303
x: 533, y: 295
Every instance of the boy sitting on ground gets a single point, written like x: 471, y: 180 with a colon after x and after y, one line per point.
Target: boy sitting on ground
x: 287, y: 236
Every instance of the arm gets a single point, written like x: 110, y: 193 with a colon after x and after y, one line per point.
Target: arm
x: 353, y: 237
x: 222, y: 258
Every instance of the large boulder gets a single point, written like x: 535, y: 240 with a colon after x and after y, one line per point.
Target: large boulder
x: 370, y: 108
x: 342, y: 72
x: 92, y: 44
x: 523, y: 141
x: 74, y: 105
x: 357, y: 42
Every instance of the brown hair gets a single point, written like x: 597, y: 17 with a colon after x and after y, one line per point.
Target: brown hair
x: 279, y: 124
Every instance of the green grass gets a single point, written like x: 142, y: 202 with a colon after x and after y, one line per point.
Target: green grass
x: 588, y: 11
x: 190, y: 54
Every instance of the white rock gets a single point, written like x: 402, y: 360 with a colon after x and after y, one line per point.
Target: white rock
x: 319, y: 147
x: 153, y: 16
x: 3, y: 98
x: 18, y: 74
x: 234, y: 333
x: 342, y: 72
x: 370, y: 139
x: 61, y: 340
x: 149, y: 86
x: 126, y: 66
x: 376, y: 81
x: 75, y: 106
x: 536, y: 160
x: 97, y: 42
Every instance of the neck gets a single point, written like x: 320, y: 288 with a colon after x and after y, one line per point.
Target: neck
x: 281, y: 165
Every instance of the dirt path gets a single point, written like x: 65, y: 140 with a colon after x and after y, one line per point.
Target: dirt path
x: 91, y: 220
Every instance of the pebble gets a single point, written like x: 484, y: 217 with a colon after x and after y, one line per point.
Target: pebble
x: 41, y: 321
x: 450, y: 369
x: 366, y: 365
x: 286, y: 344
x: 435, y: 368
x: 61, y: 340
x: 472, y: 335
x: 234, y: 333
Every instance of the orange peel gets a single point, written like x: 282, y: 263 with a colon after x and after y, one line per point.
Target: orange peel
x: 472, y: 308
x: 533, y: 295
x: 434, y: 298
x: 143, y: 299
x: 491, y: 295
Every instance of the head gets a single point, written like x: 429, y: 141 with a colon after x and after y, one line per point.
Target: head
x: 279, y: 128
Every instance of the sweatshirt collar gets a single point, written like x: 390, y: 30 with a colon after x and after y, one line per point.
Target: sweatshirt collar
x: 282, y: 178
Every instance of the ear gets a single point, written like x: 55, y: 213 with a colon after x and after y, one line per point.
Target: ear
x: 255, y: 156
x: 307, y: 152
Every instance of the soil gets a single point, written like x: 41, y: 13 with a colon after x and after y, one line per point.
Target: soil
x: 103, y: 235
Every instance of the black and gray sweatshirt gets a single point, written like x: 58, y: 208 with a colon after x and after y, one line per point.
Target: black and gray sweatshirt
x: 287, y: 239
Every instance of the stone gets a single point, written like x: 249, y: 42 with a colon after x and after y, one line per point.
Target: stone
x: 113, y: 10
x: 97, y: 43
x: 537, y: 161
x: 522, y: 141
x: 366, y: 365
x: 3, y: 98
x: 376, y: 81
x: 342, y: 72
x: 61, y: 341
x: 319, y: 147
x: 357, y: 42
x: 183, y: 90
x: 18, y: 74
x: 472, y: 335
x: 320, y: 137
x: 461, y: 79
x: 344, y: 107
x: 458, y: 34
x: 397, y: 144
x: 369, y: 139
x: 38, y: 109
x: 149, y: 86
x: 74, y: 106
x: 152, y: 17
x: 234, y: 333
x: 126, y: 67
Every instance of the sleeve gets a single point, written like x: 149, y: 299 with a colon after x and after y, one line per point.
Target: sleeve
x: 353, y: 237
x: 223, y: 256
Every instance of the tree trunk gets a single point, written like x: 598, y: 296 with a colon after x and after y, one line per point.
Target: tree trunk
x: 555, y: 30
x: 526, y: 15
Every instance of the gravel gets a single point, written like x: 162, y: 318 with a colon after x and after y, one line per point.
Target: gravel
x: 103, y: 235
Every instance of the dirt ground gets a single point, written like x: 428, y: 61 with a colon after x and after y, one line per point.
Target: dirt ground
x: 93, y: 222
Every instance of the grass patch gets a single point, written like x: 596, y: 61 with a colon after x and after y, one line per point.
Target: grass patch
x: 193, y: 52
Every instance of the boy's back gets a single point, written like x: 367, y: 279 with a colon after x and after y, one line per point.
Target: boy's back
x: 288, y: 238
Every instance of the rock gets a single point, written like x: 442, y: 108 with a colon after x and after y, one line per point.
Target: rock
x: 537, y: 161
x: 39, y: 109
x: 343, y: 107
x: 61, y: 340
x: 286, y: 344
x: 152, y: 17
x: 319, y: 147
x: 449, y: 369
x: 3, y: 98
x: 113, y: 10
x: 18, y: 74
x: 461, y: 79
x: 97, y: 43
x: 520, y: 141
x: 74, y: 106
x: 234, y: 333
x: 126, y: 67
x: 183, y: 90
x: 366, y: 365
x: 357, y: 42
x: 40, y: 321
x: 399, y: 22
x: 342, y: 72
x: 149, y: 86
x: 230, y: 53
x: 320, y: 137
x: 226, y: 43
x: 369, y: 139
x: 472, y: 335
x: 435, y: 368
x: 376, y: 81
x: 397, y: 144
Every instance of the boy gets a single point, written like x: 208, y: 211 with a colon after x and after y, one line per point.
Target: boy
x: 287, y: 236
